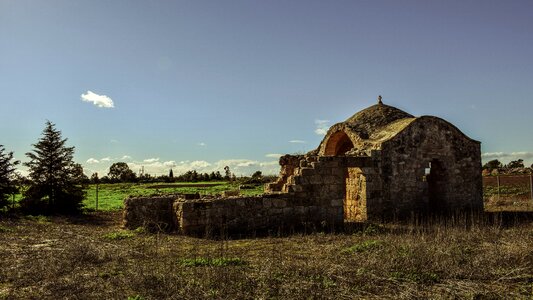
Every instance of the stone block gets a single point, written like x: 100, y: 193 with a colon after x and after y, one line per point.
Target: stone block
x: 279, y: 203
x: 337, y: 202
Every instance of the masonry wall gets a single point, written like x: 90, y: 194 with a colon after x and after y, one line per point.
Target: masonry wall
x: 406, y: 157
x: 151, y: 212
x: 266, y: 213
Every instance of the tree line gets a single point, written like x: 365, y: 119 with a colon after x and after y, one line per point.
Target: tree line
x: 515, y: 166
x: 121, y: 172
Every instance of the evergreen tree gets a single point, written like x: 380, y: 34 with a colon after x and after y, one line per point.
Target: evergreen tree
x: 171, y: 174
x: 7, y: 173
x: 54, y: 176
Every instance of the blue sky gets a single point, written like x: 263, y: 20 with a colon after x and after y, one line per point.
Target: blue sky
x: 203, y: 84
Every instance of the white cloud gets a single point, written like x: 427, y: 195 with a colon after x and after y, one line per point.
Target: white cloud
x: 274, y: 155
x: 113, y: 141
x: 297, y: 142
x: 202, y: 144
x: 106, y: 159
x: 170, y: 164
x: 151, y: 160
x: 199, y: 164
x: 322, y: 127
x: 126, y: 157
x: 102, y: 101
x: 92, y: 161
x: 269, y: 163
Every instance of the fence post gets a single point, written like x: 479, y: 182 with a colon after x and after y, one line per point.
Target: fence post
x: 531, y: 185
x: 498, y: 182
x: 96, y: 206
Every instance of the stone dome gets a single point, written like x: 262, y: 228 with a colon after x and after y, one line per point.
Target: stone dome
x: 370, y: 120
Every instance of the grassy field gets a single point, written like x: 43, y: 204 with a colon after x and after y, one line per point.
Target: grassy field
x: 91, y: 257
x: 111, y: 196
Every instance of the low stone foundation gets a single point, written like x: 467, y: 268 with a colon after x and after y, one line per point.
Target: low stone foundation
x: 214, y: 216
x: 150, y: 212
x: 253, y: 214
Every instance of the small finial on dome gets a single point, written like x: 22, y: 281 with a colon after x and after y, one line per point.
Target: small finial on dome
x: 379, y: 100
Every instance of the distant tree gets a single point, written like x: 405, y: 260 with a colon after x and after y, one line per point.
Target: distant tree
x: 7, y: 176
x: 516, y: 164
x: 227, y: 173
x: 257, y: 175
x: 218, y: 176
x: 79, y: 175
x: 120, y: 171
x: 170, y: 174
x: 105, y: 179
x: 493, y: 164
x: 94, y: 178
x: 54, y: 176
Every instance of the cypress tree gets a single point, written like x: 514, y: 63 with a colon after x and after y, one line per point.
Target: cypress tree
x: 54, y: 176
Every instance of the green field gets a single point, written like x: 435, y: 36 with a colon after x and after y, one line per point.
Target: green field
x: 111, y: 196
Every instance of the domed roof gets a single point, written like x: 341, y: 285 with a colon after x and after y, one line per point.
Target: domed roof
x: 371, y: 119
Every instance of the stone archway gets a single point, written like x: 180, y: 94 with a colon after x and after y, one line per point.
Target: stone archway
x: 338, y: 144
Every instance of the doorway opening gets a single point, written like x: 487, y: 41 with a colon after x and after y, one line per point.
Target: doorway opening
x: 436, y: 179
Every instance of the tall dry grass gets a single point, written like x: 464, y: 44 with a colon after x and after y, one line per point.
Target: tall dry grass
x: 74, y: 259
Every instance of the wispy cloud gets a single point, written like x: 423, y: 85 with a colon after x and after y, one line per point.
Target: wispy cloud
x: 202, y: 144
x: 106, y: 159
x: 93, y: 161
x: 322, y: 127
x: 274, y: 155
x: 151, y: 160
x: 297, y: 142
x: 102, y: 101
x: 126, y: 157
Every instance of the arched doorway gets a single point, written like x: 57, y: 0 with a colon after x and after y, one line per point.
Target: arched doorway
x: 436, y: 179
x: 338, y: 144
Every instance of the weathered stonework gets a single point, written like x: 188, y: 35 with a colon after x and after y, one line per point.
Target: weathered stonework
x: 379, y: 164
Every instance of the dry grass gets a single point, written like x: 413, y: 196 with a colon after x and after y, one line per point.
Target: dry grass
x: 92, y: 258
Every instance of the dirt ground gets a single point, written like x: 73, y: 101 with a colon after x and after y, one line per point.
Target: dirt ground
x: 91, y: 257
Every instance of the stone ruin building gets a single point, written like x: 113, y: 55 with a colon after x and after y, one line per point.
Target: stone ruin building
x: 381, y: 163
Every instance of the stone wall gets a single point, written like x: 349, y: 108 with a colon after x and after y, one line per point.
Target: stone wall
x: 248, y: 215
x: 454, y: 159
x: 151, y: 212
